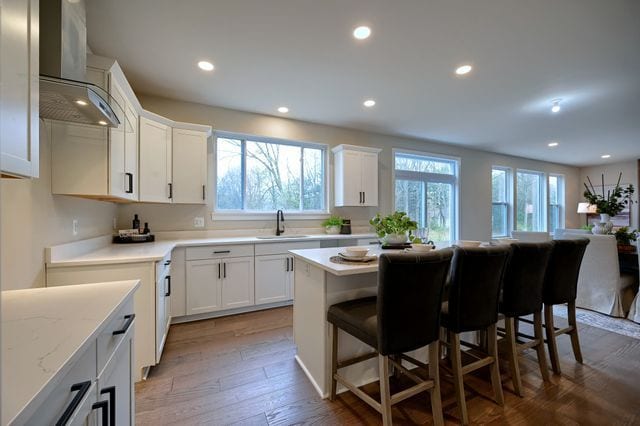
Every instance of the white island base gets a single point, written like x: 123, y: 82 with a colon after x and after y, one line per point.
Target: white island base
x: 318, y: 285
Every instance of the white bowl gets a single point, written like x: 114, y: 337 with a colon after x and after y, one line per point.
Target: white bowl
x: 422, y: 247
x: 356, y: 251
x: 468, y: 243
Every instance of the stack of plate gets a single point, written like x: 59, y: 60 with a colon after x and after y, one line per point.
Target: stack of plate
x: 356, y: 254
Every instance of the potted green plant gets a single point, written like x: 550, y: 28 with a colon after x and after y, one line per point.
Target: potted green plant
x: 395, y: 228
x: 333, y: 224
x: 609, y: 204
x: 624, y: 237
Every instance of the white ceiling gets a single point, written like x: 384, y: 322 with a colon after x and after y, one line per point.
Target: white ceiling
x: 300, y: 53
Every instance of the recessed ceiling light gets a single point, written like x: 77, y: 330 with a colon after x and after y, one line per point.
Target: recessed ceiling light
x: 362, y: 32
x: 369, y: 103
x: 555, y: 106
x: 102, y: 123
x: 464, y: 69
x: 81, y: 102
x: 206, y: 66
x: 605, y: 156
x: 283, y: 109
x: 553, y: 144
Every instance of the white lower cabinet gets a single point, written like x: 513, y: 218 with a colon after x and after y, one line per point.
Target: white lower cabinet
x: 163, y: 305
x: 215, y: 284
x: 274, y: 276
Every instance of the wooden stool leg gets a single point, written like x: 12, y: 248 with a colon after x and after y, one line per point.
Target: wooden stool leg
x: 542, y: 357
x: 385, y: 394
x: 458, y: 382
x: 492, y: 343
x: 575, y: 342
x: 551, y: 339
x: 334, y: 361
x: 513, y: 355
x: 434, y: 374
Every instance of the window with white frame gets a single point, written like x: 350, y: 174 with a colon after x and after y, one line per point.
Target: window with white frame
x: 500, y: 201
x: 556, y: 202
x: 530, y: 201
x: 255, y: 174
x: 426, y: 188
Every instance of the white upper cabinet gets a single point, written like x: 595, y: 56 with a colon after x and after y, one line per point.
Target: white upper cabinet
x: 356, y: 175
x: 19, y: 87
x: 189, y: 166
x: 155, y: 162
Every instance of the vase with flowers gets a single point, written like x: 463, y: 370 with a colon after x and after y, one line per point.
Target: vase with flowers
x: 607, y: 204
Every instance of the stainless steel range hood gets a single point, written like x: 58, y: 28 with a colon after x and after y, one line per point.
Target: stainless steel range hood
x: 64, y: 94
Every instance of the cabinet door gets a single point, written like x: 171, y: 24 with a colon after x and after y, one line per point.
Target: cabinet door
x: 116, y: 383
x: 155, y: 161
x: 117, y: 178
x: 369, y: 178
x: 131, y: 152
x: 204, y: 289
x: 272, y: 278
x: 351, y: 171
x: 161, y: 313
x: 19, y: 85
x: 189, y: 166
x: 290, y: 280
x: 237, y: 282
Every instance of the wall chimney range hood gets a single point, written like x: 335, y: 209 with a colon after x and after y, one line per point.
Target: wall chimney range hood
x: 64, y: 94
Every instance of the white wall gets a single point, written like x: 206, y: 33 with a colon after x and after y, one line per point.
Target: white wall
x: 629, y: 171
x: 475, y: 176
x: 33, y: 219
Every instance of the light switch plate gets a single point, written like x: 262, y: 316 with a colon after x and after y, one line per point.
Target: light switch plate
x: 198, y: 222
x: 74, y: 227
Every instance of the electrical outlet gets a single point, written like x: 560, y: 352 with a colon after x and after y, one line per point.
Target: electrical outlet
x: 74, y: 227
x: 198, y: 222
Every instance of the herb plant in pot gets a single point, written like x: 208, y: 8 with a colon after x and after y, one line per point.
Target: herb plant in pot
x: 332, y: 225
x: 610, y: 204
x: 393, y: 229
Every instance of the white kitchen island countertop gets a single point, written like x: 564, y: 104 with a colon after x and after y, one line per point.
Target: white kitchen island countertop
x: 321, y: 258
x: 44, y: 331
x: 155, y: 251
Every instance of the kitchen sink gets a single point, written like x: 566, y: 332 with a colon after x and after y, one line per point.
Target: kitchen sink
x: 279, y: 237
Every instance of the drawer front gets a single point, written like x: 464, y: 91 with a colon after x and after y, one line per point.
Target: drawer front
x: 216, y: 252
x: 161, y: 265
x: 62, y: 397
x: 107, y: 341
x: 283, y: 248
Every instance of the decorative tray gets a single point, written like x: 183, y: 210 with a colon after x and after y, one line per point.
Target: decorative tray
x: 132, y: 239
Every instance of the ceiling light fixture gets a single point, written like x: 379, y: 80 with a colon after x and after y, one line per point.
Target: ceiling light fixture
x: 605, y: 156
x: 283, y: 109
x: 464, y: 69
x: 102, y: 123
x: 555, y: 106
x: 369, y: 103
x: 553, y: 144
x: 362, y: 32
x: 206, y: 66
x: 81, y: 102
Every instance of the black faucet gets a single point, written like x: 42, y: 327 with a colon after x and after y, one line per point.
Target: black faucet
x: 279, y: 218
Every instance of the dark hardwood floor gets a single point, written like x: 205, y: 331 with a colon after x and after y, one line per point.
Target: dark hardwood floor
x: 241, y: 370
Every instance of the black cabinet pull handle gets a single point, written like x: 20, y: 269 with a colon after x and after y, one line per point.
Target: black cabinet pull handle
x: 219, y: 266
x: 168, y: 280
x: 224, y: 270
x: 127, y: 324
x: 286, y: 268
x: 82, y: 388
x: 222, y: 251
x: 292, y: 264
x: 170, y: 190
x: 364, y: 197
x: 168, y: 262
x: 203, y: 192
x: 111, y: 390
x: 103, y: 406
x: 130, y: 177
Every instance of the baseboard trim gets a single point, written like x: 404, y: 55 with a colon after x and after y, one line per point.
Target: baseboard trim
x: 218, y: 314
x: 311, y: 379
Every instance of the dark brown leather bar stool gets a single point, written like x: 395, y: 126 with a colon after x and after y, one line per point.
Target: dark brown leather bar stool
x: 476, y: 280
x: 403, y: 317
x: 522, y: 296
x: 560, y: 287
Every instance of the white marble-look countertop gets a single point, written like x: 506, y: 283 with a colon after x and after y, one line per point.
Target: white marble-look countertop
x: 45, y: 330
x: 151, y: 252
x: 320, y: 258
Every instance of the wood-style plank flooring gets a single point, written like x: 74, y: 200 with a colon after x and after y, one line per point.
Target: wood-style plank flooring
x: 241, y: 370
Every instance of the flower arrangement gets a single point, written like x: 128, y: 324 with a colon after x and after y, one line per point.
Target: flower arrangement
x: 611, y: 203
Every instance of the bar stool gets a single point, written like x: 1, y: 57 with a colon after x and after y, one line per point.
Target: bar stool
x: 403, y: 317
x: 476, y: 280
x: 560, y: 287
x: 522, y: 296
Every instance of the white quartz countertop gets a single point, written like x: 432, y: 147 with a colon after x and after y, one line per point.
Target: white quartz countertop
x: 151, y: 252
x: 45, y: 330
x: 320, y: 258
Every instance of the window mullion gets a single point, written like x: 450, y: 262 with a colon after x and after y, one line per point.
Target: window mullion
x: 243, y: 168
x: 301, y: 202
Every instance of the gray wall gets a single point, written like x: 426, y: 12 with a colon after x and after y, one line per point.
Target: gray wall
x: 475, y: 175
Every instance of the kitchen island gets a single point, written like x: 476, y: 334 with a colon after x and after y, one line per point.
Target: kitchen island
x: 320, y: 283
